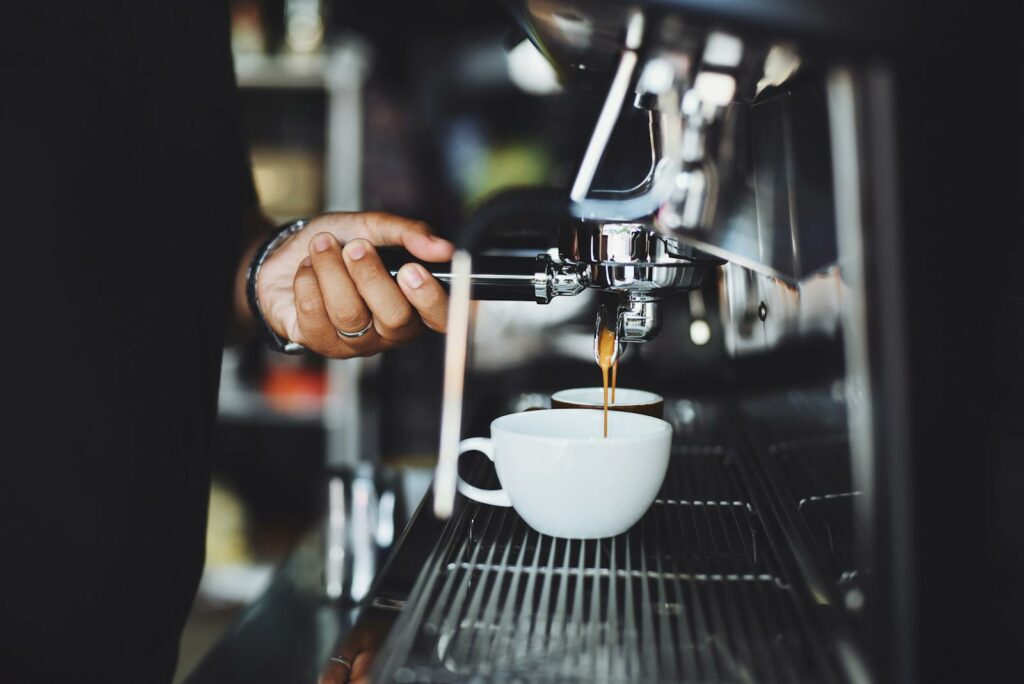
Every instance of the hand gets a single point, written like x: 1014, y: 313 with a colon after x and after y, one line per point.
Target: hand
x: 329, y: 278
x: 353, y: 657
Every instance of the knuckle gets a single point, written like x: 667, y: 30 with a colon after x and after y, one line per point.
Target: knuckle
x: 304, y: 277
x: 371, y: 280
x: 349, y: 321
x: 402, y: 317
x: 307, y: 293
x: 402, y: 334
x: 309, y: 304
x: 395, y: 312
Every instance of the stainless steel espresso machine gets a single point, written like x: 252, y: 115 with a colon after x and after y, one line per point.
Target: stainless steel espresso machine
x: 787, y: 542
x: 775, y: 168
x: 756, y: 561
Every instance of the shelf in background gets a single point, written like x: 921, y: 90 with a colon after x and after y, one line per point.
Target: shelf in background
x: 293, y: 72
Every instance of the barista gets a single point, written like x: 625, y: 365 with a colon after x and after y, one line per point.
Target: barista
x: 126, y: 204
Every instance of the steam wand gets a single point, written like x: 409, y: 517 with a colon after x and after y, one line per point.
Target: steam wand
x: 455, y: 353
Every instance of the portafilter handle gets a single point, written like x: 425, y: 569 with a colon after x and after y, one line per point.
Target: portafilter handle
x: 501, y: 277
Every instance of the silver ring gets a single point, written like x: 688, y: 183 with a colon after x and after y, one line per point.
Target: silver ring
x: 342, y: 661
x: 352, y: 335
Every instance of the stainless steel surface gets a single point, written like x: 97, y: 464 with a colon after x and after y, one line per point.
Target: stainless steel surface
x: 505, y: 276
x: 695, y: 592
x: 724, y: 578
x: 657, y: 90
x: 738, y: 169
x: 553, y: 279
x: 760, y: 312
x: 639, y: 318
x: 754, y: 186
x: 861, y: 106
x: 610, y: 111
x: 694, y: 202
x: 635, y: 262
x: 628, y: 244
x: 740, y: 172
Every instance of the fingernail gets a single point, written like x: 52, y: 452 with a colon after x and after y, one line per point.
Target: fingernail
x: 356, y: 251
x: 412, y: 277
x: 306, y: 263
x: 321, y: 243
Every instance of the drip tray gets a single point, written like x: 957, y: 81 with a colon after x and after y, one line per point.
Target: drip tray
x: 693, y: 592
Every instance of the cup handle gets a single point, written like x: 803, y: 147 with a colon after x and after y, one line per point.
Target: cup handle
x: 493, y: 497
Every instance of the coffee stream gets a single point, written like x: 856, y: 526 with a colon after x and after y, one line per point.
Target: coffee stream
x: 606, y: 359
x: 615, y: 376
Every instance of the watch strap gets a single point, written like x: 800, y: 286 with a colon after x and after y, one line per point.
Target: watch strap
x: 276, y: 240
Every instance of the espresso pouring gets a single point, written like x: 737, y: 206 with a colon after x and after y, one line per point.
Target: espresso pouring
x: 606, y: 358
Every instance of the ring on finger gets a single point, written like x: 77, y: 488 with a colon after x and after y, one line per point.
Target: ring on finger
x: 352, y: 335
x: 342, y: 661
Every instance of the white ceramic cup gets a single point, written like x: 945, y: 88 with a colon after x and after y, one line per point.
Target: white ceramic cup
x: 567, y: 480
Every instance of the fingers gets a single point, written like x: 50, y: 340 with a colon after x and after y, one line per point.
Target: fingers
x: 361, y: 667
x: 393, y: 316
x: 348, y: 288
x: 314, y: 328
x: 312, y: 288
x: 426, y: 294
x: 387, y: 229
x: 415, y: 236
x: 344, y: 305
x: 358, y: 671
x: 336, y: 673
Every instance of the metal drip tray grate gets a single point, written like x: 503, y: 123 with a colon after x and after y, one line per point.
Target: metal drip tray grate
x: 691, y: 593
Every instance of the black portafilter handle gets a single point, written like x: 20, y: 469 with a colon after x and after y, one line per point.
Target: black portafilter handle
x: 494, y: 278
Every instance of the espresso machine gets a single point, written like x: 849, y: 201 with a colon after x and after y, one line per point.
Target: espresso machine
x: 775, y: 174
x: 797, y: 174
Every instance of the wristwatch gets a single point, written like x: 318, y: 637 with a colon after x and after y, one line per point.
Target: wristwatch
x: 273, y: 243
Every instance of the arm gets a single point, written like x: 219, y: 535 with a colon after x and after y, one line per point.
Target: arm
x: 329, y: 279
